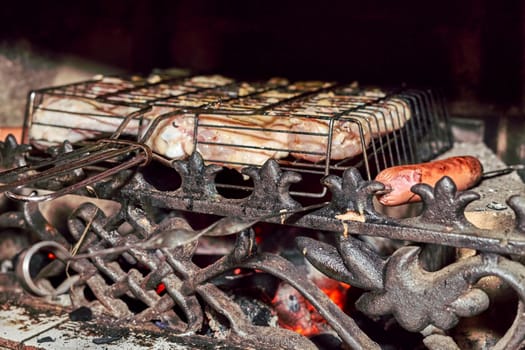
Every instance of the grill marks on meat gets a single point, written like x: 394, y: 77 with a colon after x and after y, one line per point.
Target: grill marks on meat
x: 75, y: 119
x: 232, y: 124
x: 311, y: 135
x: 221, y: 137
x: 300, y: 128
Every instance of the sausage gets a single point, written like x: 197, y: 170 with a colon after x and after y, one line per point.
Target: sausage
x: 465, y: 171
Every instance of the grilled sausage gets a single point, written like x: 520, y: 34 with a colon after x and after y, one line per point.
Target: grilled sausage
x: 465, y: 171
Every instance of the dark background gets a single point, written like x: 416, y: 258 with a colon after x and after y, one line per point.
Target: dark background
x: 473, y: 50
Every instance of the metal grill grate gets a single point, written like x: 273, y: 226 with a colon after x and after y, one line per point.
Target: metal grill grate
x: 145, y: 245
x: 314, y: 128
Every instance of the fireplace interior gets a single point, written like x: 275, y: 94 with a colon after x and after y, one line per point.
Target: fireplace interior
x: 290, y: 252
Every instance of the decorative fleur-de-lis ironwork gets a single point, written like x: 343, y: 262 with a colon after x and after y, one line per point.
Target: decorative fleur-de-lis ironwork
x: 418, y: 299
x: 397, y: 285
x: 351, y: 261
x: 443, y: 205
x: 271, y: 186
x: 428, y: 298
x: 198, y: 179
x: 351, y: 192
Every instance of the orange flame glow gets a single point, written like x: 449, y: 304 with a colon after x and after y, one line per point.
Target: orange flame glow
x: 297, y: 314
x: 161, y: 287
x: 336, y: 291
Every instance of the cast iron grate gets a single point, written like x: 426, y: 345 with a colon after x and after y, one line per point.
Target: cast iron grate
x: 429, y: 302
x: 146, y: 232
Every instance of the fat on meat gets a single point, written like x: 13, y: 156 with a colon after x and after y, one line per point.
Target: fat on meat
x: 86, y: 119
x: 224, y: 139
x: 298, y: 128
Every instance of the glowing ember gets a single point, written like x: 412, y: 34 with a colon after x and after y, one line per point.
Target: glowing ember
x: 294, y: 311
x: 258, y: 234
x: 335, y: 290
x: 161, y: 287
x: 297, y: 314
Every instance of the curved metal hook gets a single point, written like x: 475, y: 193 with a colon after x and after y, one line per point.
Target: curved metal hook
x: 23, y: 269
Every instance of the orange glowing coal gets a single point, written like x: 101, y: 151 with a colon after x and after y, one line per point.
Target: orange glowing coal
x: 297, y: 314
x: 336, y: 291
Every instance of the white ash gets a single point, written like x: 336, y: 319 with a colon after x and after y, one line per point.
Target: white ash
x: 492, y: 190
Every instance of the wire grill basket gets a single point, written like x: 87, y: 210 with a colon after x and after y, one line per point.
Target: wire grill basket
x: 311, y: 127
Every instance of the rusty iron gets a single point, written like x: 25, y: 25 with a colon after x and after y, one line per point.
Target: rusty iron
x: 428, y: 302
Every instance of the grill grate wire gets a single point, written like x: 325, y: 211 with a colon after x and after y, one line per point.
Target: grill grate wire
x: 137, y: 107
